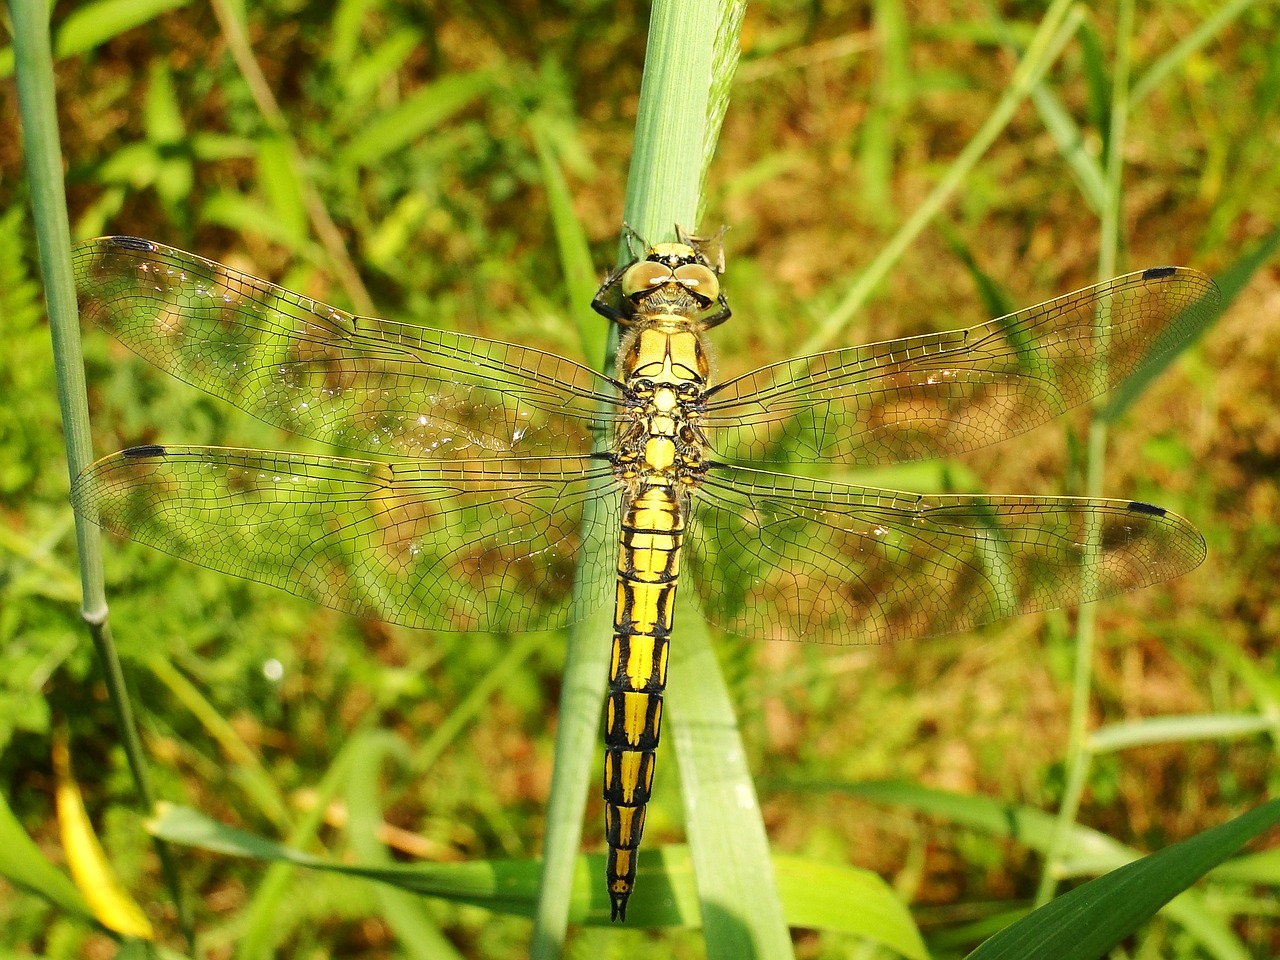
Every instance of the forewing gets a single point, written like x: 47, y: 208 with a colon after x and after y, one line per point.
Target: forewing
x: 783, y: 557
x: 357, y: 382
x: 943, y: 393
x: 472, y: 545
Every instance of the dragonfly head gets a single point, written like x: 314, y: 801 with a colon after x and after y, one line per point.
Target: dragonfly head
x: 672, y: 278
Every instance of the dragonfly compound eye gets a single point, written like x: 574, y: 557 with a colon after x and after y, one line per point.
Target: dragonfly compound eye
x: 642, y: 277
x: 699, y: 280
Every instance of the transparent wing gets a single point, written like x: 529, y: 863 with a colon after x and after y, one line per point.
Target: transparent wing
x: 471, y: 545
x: 356, y: 382
x: 942, y: 393
x: 784, y: 557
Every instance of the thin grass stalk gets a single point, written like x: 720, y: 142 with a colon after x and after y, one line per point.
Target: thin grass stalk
x: 43, y: 153
x: 258, y: 921
x: 1193, y: 42
x: 572, y: 245
x: 1065, y: 131
x: 426, y: 753
x: 1079, y: 756
x: 581, y: 695
x: 251, y: 774
x: 1058, y: 25
x: 231, y: 19
x: 416, y: 933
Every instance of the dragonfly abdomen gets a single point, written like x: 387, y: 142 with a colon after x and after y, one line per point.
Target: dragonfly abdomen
x: 648, y: 567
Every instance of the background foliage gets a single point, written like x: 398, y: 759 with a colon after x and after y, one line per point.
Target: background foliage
x: 401, y: 174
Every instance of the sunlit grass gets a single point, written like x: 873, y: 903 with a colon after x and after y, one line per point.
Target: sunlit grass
x: 453, y: 228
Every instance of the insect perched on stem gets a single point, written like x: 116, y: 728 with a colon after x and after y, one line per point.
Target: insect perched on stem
x: 489, y: 508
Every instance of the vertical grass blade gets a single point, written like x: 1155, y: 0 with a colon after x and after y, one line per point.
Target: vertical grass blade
x: 43, y: 153
x: 406, y: 915
x: 231, y: 19
x: 1079, y: 759
x: 1057, y: 26
x: 689, y: 53
x: 259, y: 938
x: 742, y: 913
x: 571, y: 240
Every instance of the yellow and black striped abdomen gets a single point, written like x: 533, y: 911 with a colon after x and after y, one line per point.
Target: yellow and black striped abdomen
x: 648, y: 566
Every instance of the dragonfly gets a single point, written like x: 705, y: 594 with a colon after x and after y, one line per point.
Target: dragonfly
x: 511, y: 489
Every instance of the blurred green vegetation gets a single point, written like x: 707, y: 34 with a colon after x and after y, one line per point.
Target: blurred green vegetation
x: 385, y: 157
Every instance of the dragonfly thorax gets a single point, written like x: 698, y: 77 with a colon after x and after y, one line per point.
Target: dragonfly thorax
x: 665, y: 370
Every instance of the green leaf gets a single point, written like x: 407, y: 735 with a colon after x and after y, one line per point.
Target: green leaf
x: 260, y: 923
x: 571, y: 239
x: 405, y: 915
x: 1091, y: 850
x: 360, y: 79
x: 1122, y: 736
x: 22, y: 864
x: 1061, y: 125
x: 278, y: 178
x: 161, y: 113
x: 1091, y: 919
x: 427, y: 108
x: 827, y: 896
x: 94, y: 23
x: 1256, y: 868
x: 248, y: 215
x: 502, y: 886
x: 246, y: 768
x: 814, y: 894
x: 722, y: 815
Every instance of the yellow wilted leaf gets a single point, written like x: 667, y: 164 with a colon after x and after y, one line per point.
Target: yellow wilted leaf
x: 90, y: 870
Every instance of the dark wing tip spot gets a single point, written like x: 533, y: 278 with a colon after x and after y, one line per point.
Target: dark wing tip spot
x: 148, y: 451
x: 1137, y: 506
x: 132, y: 243
x: 1158, y: 273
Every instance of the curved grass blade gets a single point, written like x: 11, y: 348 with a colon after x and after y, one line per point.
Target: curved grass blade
x: 419, y: 937
x: 1090, y: 852
x: 23, y: 865
x: 815, y: 894
x: 90, y: 867
x: 1088, y: 921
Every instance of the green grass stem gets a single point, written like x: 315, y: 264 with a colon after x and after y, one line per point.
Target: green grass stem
x: 43, y: 153
x: 259, y: 938
x: 677, y: 118
x: 1058, y: 25
x: 1062, y: 127
x: 231, y: 18
x: 1193, y: 42
x: 406, y: 915
x: 476, y: 701
x: 1079, y: 759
